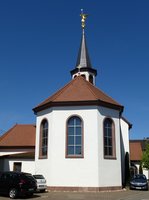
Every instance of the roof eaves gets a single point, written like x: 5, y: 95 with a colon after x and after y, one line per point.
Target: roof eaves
x: 83, y: 69
x: 17, y: 147
x: 52, y: 97
x: 78, y: 103
x: 96, y: 96
x: 129, y: 124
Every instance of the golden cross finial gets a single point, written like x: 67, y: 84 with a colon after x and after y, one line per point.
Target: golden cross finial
x: 83, y: 18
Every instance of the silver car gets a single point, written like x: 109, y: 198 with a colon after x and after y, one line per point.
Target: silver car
x: 41, y: 182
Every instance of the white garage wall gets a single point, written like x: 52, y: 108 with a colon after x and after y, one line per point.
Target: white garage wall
x: 27, y: 165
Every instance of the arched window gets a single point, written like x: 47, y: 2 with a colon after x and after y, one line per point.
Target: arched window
x: 43, y: 139
x: 74, y: 135
x: 109, y: 138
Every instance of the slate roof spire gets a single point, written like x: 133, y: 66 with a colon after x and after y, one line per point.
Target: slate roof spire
x: 83, y: 56
x: 83, y: 65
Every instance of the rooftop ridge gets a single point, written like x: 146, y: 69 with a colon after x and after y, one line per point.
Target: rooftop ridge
x: 89, y: 84
x: 56, y: 94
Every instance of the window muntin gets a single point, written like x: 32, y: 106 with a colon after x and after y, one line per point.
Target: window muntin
x: 44, y: 138
x: 109, y: 138
x: 74, y: 137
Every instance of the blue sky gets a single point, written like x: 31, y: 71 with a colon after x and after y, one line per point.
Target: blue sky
x: 39, y: 42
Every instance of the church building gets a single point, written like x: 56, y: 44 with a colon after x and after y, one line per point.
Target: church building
x: 81, y: 135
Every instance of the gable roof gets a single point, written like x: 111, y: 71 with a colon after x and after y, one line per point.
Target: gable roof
x: 20, y: 135
x: 78, y: 92
x: 135, y: 150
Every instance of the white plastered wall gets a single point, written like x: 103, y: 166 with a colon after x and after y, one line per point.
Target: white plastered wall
x: 92, y: 170
x: 125, y: 134
x: 110, y: 169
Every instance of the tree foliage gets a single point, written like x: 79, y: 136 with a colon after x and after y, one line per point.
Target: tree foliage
x: 145, y: 157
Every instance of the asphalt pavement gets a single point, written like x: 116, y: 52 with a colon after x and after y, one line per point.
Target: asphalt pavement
x: 111, y: 195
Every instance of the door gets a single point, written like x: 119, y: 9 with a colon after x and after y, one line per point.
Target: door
x: 17, y: 166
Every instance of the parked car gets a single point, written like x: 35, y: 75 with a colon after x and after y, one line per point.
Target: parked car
x: 139, y: 182
x: 41, y: 182
x: 16, y: 184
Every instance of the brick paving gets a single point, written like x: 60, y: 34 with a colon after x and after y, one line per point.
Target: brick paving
x: 118, y: 195
x: 114, y: 195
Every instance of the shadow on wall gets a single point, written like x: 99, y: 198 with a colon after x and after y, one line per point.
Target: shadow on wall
x: 108, y: 112
x: 6, y: 165
x: 122, y: 158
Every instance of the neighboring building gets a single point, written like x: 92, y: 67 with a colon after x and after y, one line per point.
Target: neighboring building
x: 136, y: 151
x: 17, y: 149
x: 81, y: 136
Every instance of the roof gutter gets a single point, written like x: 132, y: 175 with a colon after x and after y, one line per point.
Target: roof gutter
x: 78, y: 103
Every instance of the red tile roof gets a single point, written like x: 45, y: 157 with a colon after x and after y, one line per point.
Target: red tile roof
x: 78, y: 92
x: 135, y: 151
x: 19, y: 135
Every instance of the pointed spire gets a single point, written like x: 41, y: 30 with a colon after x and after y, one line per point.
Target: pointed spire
x: 83, y: 64
x: 83, y: 56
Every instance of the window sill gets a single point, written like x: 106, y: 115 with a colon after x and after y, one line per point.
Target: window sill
x: 74, y: 156
x: 42, y: 157
x: 110, y: 157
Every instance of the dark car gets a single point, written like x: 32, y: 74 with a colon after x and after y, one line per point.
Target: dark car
x: 16, y: 184
x: 139, y: 182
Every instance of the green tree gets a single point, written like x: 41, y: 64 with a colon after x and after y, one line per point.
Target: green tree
x: 145, y: 157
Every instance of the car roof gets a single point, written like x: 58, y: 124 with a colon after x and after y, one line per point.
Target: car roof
x: 14, y: 172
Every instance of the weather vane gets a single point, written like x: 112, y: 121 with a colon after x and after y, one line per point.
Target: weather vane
x: 83, y: 18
